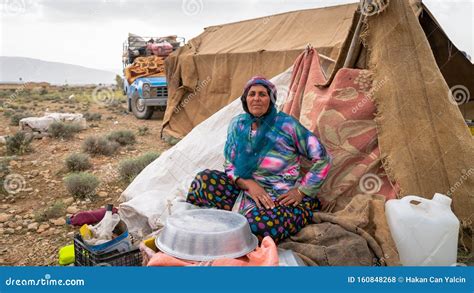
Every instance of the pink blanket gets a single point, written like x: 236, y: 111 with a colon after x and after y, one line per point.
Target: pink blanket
x: 341, y: 115
x: 265, y: 255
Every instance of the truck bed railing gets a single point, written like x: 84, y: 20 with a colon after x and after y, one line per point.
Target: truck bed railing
x: 135, y: 46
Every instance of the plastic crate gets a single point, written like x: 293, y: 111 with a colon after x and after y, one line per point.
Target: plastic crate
x: 87, y: 258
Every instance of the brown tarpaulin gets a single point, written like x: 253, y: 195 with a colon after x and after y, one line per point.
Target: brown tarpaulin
x: 426, y: 146
x: 211, y: 70
x: 361, y: 227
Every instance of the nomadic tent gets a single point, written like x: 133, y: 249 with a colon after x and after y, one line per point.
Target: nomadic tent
x: 419, y: 143
x: 208, y: 72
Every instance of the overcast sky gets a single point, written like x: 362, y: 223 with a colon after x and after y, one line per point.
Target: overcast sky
x: 91, y: 32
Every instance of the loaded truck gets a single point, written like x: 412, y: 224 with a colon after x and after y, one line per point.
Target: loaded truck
x: 144, y: 79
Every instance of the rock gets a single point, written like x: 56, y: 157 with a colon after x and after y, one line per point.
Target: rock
x: 18, y: 217
x: 5, y: 206
x: 5, y: 217
x: 34, y: 173
x: 33, y: 226
x: 68, y: 200
x: 11, y: 224
x: 72, y: 210
x: 27, y: 189
x: 58, y: 222
x: 9, y: 231
x: 2, y: 231
x: 70, y: 234
x: 18, y: 228
x: 48, y: 232
x: 102, y: 194
x: 42, y: 228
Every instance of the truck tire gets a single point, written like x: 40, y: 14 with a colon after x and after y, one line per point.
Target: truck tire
x: 139, y: 109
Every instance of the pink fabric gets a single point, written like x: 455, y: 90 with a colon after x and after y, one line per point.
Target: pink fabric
x: 160, y: 49
x: 265, y: 255
x: 341, y: 116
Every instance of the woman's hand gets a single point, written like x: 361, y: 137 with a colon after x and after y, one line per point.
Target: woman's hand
x: 256, y: 192
x: 292, y: 197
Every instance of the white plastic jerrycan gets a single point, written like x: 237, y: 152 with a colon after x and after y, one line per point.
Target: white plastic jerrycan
x: 425, y: 231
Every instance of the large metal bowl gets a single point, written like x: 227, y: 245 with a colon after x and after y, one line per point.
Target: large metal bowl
x: 206, y: 234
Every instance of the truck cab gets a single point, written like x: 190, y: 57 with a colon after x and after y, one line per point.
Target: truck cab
x: 146, y: 94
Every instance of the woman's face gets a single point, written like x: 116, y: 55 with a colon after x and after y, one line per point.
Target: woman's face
x: 258, y: 100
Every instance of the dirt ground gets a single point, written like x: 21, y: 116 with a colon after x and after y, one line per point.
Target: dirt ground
x: 24, y: 240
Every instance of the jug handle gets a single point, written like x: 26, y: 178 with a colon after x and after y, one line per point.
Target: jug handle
x: 409, y: 198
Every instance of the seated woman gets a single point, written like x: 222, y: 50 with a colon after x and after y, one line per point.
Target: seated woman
x: 262, y: 169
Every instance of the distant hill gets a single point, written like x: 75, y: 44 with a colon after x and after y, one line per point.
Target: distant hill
x: 35, y: 70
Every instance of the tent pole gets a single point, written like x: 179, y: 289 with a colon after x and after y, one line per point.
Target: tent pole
x: 355, y: 46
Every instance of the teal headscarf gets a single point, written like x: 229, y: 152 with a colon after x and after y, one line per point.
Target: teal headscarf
x: 250, y: 150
